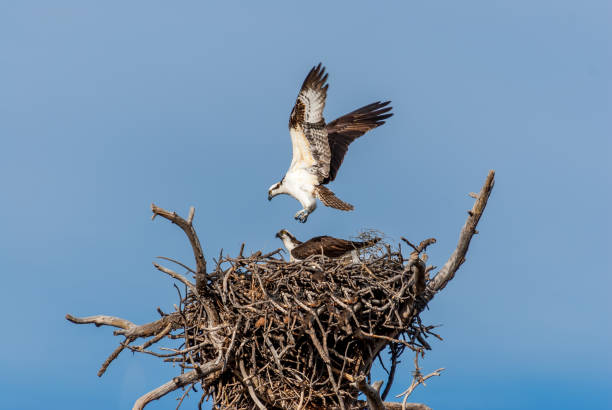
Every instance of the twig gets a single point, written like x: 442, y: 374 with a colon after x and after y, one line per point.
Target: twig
x: 251, y: 389
x: 372, y: 395
x: 102, y: 320
x: 178, y: 277
x: 113, y: 356
x: 177, y: 262
x: 187, y: 227
x: 391, y: 372
x: 417, y: 379
x: 447, y: 272
x: 177, y: 383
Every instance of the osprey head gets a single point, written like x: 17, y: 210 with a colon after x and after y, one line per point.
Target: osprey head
x: 275, y: 189
x: 289, y: 240
x: 283, y: 233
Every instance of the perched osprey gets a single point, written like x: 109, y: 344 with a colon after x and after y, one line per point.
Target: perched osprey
x: 319, y: 148
x: 325, y: 245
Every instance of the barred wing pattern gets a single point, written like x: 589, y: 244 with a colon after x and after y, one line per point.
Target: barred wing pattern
x: 330, y: 199
x: 307, y: 126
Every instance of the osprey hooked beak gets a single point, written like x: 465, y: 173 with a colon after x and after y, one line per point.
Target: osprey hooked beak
x: 271, y: 193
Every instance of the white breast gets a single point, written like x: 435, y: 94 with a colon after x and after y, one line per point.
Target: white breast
x: 300, y: 184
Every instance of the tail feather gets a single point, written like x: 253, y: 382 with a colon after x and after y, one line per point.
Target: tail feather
x: 330, y: 199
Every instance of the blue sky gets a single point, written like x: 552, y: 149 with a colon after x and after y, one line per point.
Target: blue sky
x: 106, y: 107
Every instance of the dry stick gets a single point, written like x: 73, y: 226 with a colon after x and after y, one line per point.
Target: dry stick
x: 178, y: 277
x: 250, y: 388
x: 102, y: 320
x: 177, y: 262
x: 405, y: 406
x: 417, y: 379
x: 469, y: 229
x: 128, y: 328
x: 201, y: 276
x: 113, y: 356
x: 456, y: 259
x: 187, y: 227
x: 157, y: 337
x: 372, y: 395
x: 311, y: 332
x: 177, y: 383
x: 391, y: 373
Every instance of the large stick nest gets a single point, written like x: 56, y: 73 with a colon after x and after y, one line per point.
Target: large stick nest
x: 301, y: 331
x: 260, y: 332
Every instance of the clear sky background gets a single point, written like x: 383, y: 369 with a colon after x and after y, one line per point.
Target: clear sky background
x: 108, y: 106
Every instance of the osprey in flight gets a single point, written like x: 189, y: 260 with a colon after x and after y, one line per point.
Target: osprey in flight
x: 319, y: 148
x: 325, y: 245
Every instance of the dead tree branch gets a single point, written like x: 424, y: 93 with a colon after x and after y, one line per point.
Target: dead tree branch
x: 260, y: 332
x: 469, y: 229
x: 187, y: 227
x: 371, y: 393
x: 176, y: 383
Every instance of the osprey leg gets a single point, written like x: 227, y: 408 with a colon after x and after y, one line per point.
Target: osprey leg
x: 302, y: 216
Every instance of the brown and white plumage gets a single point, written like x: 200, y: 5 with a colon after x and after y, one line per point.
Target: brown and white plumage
x: 319, y: 148
x: 321, y: 245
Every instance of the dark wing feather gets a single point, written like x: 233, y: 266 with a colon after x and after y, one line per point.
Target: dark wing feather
x: 344, y: 130
x: 328, y: 246
x: 311, y: 98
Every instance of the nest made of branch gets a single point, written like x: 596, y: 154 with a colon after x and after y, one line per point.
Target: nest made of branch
x: 296, y: 334
x: 259, y: 332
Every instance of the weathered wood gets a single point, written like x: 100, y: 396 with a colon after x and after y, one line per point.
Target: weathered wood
x: 176, y: 383
x: 469, y: 229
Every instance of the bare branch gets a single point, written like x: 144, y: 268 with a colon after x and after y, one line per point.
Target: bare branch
x: 389, y: 383
x: 187, y: 227
x: 178, y: 263
x: 201, y: 275
x: 469, y: 229
x: 113, y: 356
x: 102, y: 320
x: 247, y: 380
x: 372, y: 395
x: 177, y: 383
x: 128, y: 328
x: 406, y: 406
x: 417, y: 379
x: 178, y: 277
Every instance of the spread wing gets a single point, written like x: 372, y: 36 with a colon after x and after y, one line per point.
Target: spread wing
x: 328, y: 246
x: 344, y: 130
x: 307, y: 126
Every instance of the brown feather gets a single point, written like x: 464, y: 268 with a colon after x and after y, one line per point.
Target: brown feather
x: 344, y: 130
x: 315, y: 80
x: 330, y: 199
x: 328, y: 246
x: 306, y: 120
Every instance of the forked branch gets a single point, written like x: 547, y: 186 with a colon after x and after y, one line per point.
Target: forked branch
x: 187, y: 227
